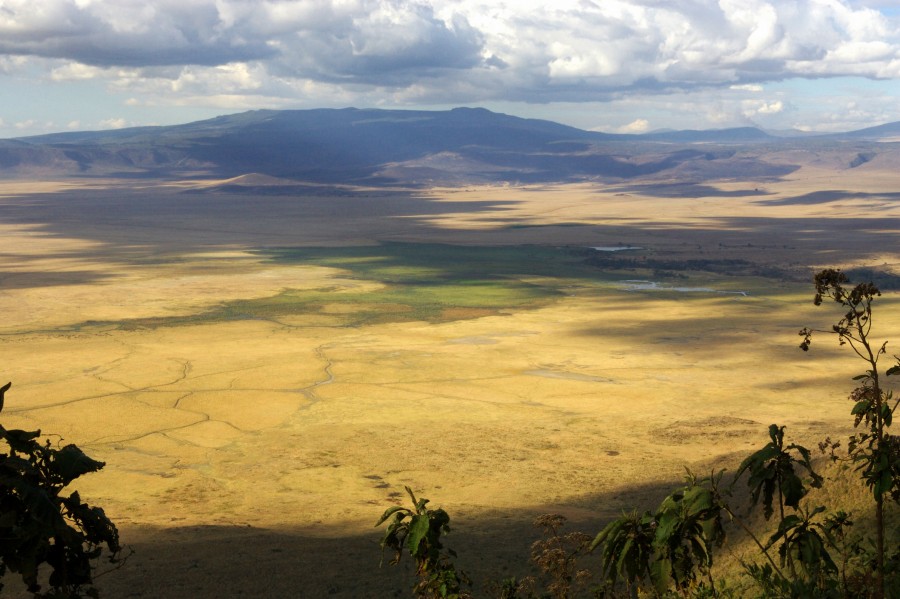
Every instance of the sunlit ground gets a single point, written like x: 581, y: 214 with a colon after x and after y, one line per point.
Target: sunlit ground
x: 229, y: 382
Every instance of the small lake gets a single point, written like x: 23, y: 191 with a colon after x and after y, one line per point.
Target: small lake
x: 615, y: 248
x: 638, y: 285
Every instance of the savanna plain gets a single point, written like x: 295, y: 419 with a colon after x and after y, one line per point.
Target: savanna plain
x: 264, y: 370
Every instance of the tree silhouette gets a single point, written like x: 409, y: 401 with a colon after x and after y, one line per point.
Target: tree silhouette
x: 40, y: 524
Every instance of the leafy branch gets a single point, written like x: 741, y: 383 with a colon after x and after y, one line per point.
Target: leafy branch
x: 39, y: 524
x: 875, y: 451
x: 419, y: 530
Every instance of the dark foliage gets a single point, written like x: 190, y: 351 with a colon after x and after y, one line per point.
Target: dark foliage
x: 418, y: 531
x: 42, y: 525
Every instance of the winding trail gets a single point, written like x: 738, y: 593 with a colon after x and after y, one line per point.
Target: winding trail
x: 310, y: 391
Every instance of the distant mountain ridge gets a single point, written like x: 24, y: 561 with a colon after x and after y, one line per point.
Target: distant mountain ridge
x: 369, y: 146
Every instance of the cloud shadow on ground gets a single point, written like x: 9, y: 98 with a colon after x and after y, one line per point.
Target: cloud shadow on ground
x: 828, y: 196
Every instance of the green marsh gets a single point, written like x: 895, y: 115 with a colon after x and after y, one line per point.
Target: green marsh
x: 419, y: 282
x: 428, y: 282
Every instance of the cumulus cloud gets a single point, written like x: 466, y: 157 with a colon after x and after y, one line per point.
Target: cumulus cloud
x: 73, y: 71
x: 448, y: 51
x: 754, y: 108
x: 113, y: 123
x: 635, y: 126
x: 11, y: 64
x: 124, y: 32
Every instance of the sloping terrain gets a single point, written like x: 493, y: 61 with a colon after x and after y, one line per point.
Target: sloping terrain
x: 419, y: 148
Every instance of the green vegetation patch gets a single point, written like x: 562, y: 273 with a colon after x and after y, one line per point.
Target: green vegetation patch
x: 432, y: 263
x: 428, y: 282
x: 434, y: 283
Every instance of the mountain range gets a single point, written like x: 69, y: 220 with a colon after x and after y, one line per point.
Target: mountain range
x: 395, y: 147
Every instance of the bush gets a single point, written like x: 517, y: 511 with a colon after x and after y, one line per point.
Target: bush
x: 40, y: 524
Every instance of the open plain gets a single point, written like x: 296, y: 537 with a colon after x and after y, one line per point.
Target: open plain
x: 264, y: 371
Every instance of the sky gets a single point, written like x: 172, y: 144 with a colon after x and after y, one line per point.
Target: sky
x: 609, y: 65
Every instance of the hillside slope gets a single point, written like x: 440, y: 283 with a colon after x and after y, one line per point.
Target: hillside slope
x: 376, y: 147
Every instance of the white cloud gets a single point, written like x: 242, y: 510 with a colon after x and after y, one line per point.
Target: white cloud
x: 11, y: 64
x: 75, y: 71
x: 771, y: 107
x: 747, y: 87
x: 113, y: 123
x: 843, y: 113
x: 635, y: 126
x: 230, y: 78
x: 530, y: 50
x: 235, y: 54
x: 124, y: 32
x: 754, y: 108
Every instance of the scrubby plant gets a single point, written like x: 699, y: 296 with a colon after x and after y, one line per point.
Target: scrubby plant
x: 557, y: 555
x: 418, y: 530
x: 773, y: 469
x: 873, y: 450
x: 671, y: 548
x: 42, y: 525
x: 626, y: 551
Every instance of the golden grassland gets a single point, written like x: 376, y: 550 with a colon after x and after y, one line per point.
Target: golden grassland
x: 259, y: 407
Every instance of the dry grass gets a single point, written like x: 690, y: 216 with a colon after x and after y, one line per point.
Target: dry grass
x: 252, y: 456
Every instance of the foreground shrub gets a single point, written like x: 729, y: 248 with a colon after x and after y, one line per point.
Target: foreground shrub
x: 40, y: 524
x: 418, y: 530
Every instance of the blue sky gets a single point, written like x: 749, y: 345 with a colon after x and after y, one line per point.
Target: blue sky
x: 610, y: 65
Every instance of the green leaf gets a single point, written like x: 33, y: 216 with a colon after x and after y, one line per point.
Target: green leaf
x: 697, y: 500
x: 861, y: 407
x: 626, y: 563
x: 667, y: 524
x: 605, y: 533
x: 763, y: 455
x: 883, y: 484
x: 418, y: 529
x: 661, y: 573
x: 893, y: 370
x: 817, y: 510
x: 701, y: 549
x: 388, y: 513
x: 789, y: 522
x: 411, y: 494
x: 792, y: 490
